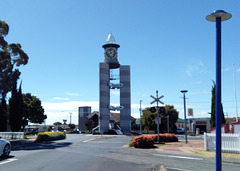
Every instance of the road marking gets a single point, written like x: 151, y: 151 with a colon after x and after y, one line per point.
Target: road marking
x: 180, y: 157
x: 90, y: 140
x: 7, y: 161
x: 177, y: 169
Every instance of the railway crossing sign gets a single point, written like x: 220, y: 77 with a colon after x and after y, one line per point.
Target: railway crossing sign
x: 157, y: 99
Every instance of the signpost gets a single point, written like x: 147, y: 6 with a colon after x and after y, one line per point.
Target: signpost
x: 157, y: 99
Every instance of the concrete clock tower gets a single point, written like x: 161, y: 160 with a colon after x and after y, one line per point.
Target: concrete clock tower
x: 105, y: 85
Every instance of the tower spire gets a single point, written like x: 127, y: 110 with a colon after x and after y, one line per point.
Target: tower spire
x: 110, y: 39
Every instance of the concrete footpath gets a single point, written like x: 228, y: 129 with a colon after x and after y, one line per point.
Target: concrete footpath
x: 196, y: 147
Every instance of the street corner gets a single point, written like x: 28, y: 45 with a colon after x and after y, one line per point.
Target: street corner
x: 192, y: 147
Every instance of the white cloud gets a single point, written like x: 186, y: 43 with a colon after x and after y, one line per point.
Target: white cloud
x: 71, y: 105
x: 197, y: 82
x: 238, y: 70
x: 200, y: 92
x: 57, y: 111
x: 59, y: 98
x: 195, y: 69
x: 225, y: 69
x: 72, y: 94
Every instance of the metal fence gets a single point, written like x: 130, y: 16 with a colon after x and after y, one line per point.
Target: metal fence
x: 12, y: 135
x: 230, y: 142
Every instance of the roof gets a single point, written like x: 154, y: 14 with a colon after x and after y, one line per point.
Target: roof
x: 110, y: 39
x: 92, y: 114
x: 180, y: 120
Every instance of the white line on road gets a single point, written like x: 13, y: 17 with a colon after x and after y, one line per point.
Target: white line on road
x: 7, y: 161
x: 177, y: 169
x: 180, y: 157
x: 90, y: 140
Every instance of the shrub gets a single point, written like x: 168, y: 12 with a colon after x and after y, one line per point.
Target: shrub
x: 143, y: 142
x: 167, y: 137
x: 50, y: 136
x: 147, y: 141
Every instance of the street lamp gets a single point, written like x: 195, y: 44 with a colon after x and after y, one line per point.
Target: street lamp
x: 70, y: 118
x: 140, y: 116
x: 218, y: 16
x: 184, y: 104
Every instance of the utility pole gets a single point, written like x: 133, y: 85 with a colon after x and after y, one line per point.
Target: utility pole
x: 184, y: 104
x: 234, y: 83
x: 70, y: 118
x: 168, y: 123
x: 140, y: 116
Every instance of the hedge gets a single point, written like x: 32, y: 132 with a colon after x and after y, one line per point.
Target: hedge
x: 50, y: 136
x: 147, y: 141
x: 143, y: 142
x: 167, y: 137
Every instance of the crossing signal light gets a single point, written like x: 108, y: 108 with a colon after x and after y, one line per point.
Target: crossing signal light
x: 162, y: 110
x: 153, y: 109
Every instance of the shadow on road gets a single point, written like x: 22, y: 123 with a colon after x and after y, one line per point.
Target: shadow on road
x: 30, y: 145
x: 2, y: 158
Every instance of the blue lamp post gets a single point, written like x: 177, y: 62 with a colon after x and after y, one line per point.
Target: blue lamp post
x: 218, y: 16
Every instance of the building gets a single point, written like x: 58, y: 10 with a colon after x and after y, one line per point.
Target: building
x: 83, y: 112
x: 203, y: 124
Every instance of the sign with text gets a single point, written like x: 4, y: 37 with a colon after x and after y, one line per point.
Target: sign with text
x: 190, y: 112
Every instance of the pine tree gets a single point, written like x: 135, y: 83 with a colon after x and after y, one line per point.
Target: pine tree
x: 15, y: 109
x: 3, y: 115
x: 213, y: 108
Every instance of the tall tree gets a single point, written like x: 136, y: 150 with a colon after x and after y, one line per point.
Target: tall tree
x: 3, y: 116
x: 11, y: 57
x: 16, y: 109
x: 213, y: 108
x: 32, y: 109
x: 148, y: 119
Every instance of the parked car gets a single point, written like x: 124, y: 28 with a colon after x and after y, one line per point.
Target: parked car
x: 76, y: 131
x: 180, y: 130
x: 5, y: 147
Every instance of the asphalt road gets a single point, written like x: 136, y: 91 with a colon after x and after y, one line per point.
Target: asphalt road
x: 91, y: 153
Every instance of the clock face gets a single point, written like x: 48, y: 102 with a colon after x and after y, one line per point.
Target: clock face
x: 111, y: 52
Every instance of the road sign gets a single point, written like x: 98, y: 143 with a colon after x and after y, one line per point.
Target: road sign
x: 157, y: 99
x: 190, y: 112
x: 158, y: 121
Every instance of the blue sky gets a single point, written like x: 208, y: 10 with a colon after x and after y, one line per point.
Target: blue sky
x: 169, y: 45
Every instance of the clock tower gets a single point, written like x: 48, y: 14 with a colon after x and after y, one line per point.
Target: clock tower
x: 111, y: 52
x: 106, y: 83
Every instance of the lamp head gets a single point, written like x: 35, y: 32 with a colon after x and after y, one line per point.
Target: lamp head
x: 219, y: 13
x: 184, y: 91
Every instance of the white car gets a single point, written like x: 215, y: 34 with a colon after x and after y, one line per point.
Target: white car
x: 5, y: 147
x: 181, y: 130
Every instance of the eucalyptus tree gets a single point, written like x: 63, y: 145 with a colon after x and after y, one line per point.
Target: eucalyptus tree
x: 11, y: 57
